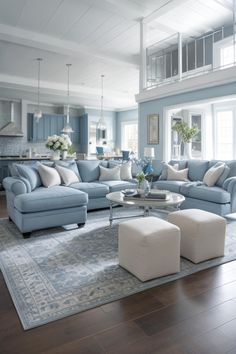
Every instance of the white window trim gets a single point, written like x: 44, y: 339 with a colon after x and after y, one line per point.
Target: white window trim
x: 221, y: 108
x: 224, y: 43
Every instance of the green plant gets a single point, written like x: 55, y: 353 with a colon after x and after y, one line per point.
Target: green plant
x: 141, y: 177
x: 185, y: 132
x: 71, y: 150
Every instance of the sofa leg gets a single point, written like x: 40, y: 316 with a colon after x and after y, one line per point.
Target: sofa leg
x: 81, y: 225
x: 26, y: 234
x: 9, y: 219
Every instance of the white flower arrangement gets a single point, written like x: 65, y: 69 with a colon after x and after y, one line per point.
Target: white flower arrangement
x: 56, y: 142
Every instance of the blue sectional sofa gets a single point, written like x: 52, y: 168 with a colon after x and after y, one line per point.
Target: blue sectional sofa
x: 219, y: 199
x: 39, y: 208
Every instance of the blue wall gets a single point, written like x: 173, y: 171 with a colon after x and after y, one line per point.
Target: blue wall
x: 124, y: 116
x: 110, y: 119
x: 157, y: 106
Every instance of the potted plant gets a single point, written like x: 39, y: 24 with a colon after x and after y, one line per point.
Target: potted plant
x: 186, y: 134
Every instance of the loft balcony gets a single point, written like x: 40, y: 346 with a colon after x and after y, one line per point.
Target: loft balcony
x: 177, y: 58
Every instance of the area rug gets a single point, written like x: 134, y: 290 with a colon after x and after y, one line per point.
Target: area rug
x: 58, y: 272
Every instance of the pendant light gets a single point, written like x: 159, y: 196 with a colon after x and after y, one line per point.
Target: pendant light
x: 101, y: 123
x: 67, y: 128
x: 38, y: 113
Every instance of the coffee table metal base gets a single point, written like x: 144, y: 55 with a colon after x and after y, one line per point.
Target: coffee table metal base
x: 146, y: 212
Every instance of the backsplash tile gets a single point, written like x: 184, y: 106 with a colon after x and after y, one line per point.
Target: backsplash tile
x: 20, y: 146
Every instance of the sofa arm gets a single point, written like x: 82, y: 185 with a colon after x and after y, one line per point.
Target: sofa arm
x: 16, y: 185
x: 230, y: 186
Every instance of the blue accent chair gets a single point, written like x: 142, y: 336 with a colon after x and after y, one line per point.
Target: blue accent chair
x: 99, y: 150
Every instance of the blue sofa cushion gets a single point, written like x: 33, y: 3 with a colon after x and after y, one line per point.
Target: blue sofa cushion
x: 30, y: 173
x: 115, y: 186
x: 71, y: 165
x: 172, y: 186
x: 94, y: 190
x: 44, y: 199
x: 232, y: 166
x: 210, y: 194
x: 197, y: 169
x: 89, y: 169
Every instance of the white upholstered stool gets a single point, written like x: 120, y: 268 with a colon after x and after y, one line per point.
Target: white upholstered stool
x: 202, y: 234
x: 149, y: 247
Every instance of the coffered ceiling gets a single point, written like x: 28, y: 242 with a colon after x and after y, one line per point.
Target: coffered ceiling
x: 97, y: 37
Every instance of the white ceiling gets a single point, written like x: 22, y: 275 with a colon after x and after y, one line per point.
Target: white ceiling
x: 97, y: 37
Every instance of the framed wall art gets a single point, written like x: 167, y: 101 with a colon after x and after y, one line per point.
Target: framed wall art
x: 153, y: 129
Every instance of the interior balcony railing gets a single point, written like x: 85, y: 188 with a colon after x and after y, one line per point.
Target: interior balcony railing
x: 177, y: 58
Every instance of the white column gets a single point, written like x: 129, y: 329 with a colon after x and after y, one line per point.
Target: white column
x: 180, y: 69
x: 143, y: 64
x: 234, y: 29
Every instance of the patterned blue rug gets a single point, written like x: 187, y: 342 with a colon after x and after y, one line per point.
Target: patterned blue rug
x: 58, y: 272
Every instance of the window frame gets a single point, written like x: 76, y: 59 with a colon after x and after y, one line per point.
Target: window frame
x: 125, y: 123
x: 224, y: 43
x: 199, y: 112
x: 223, y: 108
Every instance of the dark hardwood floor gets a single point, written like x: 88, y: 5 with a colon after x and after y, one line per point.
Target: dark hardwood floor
x: 196, y: 314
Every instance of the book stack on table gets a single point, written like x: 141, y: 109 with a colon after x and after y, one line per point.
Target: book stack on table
x: 152, y: 195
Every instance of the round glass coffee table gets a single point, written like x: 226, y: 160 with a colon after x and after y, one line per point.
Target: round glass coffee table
x: 172, y: 203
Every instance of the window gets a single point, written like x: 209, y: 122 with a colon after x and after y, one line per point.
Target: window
x: 196, y: 120
x: 223, y: 53
x: 129, y: 133
x: 224, y: 134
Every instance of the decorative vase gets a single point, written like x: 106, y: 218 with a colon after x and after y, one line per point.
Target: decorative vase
x: 55, y: 155
x: 143, y: 188
x: 64, y: 154
x: 187, y: 151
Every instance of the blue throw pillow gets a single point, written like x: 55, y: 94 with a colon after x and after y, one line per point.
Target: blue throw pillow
x: 31, y: 174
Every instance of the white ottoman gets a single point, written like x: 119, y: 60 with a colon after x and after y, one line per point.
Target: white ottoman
x: 202, y: 234
x: 149, y: 247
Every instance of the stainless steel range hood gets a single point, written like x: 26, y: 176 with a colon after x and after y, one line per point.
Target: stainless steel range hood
x: 10, y: 129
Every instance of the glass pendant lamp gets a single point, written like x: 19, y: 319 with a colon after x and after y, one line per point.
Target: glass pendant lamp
x: 38, y: 113
x: 67, y: 128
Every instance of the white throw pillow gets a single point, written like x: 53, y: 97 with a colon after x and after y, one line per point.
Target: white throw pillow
x: 68, y: 176
x: 213, y: 174
x: 109, y: 174
x: 49, y: 176
x: 125, y: 171
x: 175, y: 175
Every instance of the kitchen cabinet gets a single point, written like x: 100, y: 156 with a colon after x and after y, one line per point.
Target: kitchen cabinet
x: 51, y: 124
